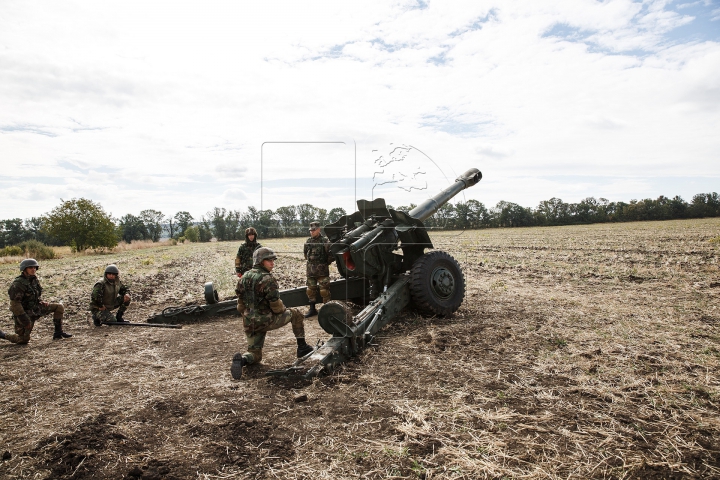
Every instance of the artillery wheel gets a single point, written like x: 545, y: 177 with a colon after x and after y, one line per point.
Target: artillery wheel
x: 336, y: 319
x: 211, y: 295
x: 437, y: 284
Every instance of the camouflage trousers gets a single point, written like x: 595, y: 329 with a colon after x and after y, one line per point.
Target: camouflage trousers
x: 256, y: 336
x: 318, y: 283
x: 22, y: 333
x: 101, y: 316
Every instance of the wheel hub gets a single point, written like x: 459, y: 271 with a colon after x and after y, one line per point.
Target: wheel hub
x: 443, y: 282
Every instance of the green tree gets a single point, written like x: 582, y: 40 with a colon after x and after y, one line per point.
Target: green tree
x: 12, y: 232
x: 307, y: 214
x: 153, y: 220
x: 183, y: 220
x: 82, y: 224
x: 132, y: 228
x: 287, y: 217
x: 336, y: 214
x: 192, y: 233
x: 217, y: 218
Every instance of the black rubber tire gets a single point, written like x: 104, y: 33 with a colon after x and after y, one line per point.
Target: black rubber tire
x: 437, y: 284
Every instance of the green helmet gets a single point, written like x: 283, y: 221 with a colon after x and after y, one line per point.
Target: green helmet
x: 112, y: 269
x: 29, y: 262
x: 263, y: 253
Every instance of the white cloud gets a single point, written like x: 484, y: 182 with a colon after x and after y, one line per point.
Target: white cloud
x: 178, y: 98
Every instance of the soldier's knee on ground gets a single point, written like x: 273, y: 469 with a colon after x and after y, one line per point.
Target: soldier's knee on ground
x: 311, y: 293
x: 253, y: 355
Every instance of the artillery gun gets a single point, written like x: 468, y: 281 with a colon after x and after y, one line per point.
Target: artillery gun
x: 380, y: 253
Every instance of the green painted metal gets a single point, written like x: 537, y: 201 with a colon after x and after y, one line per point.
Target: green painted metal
x: 354, y: 288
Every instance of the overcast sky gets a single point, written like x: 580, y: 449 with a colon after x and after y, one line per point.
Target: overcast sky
x: 192, y: 105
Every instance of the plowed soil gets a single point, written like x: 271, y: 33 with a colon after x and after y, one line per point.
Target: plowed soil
x: 579, y: 352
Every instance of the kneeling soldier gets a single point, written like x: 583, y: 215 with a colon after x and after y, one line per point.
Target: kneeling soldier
x: 262, y: 309
x: 26, y: 306
x: 107, y: 295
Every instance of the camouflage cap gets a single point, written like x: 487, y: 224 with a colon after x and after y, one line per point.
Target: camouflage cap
x: 314, y: 226
x: 250, y: 231
x: 263, y: 253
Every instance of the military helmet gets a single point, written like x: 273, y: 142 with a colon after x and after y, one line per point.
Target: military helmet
x: 112, y: 269
x: 314, y: 226
x: 29, y: 262
x: 250, y: 231
x: 263, y: 253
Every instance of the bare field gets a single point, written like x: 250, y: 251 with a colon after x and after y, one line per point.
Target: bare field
x: 579, y: 352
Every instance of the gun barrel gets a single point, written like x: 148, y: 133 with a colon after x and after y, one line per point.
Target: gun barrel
x: 432, y: 205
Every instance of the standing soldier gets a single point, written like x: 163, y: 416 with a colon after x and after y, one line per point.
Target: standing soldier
x: 262, y: 309
x: 26, y: 306
x: 107, y: 295
x: 317, y: 254
x: 244, y: 258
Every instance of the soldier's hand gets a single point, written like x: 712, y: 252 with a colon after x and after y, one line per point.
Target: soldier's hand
x: 239, y: 274
x: 44, y: 304
x: 102, y: 308
x: 126, y: 298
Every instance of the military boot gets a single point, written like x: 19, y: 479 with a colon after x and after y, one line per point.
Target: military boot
x: 238, y: 362
x: 303, y: 350
x: 303, y: 347
x: 2, y: 334
x: 119, y: 317
x: 59, y: 334
x: 312, y: 311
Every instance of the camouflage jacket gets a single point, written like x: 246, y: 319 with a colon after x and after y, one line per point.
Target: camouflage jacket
x: 257, y: 288
x: 317, y: 254
x: 244, y: 258
x: 107, y: 293
x: 25, y: 295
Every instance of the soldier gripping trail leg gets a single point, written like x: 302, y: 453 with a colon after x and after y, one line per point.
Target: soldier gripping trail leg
x: 262, y: 309
x: 26, y: 305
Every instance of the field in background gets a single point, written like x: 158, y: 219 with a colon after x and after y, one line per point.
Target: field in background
x: 580, y: 351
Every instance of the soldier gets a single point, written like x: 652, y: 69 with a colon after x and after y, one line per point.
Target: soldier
x: 317, y: 254
x: 107, y: 295
x: 26, y: 306
x: 244, y: 258
x: 262, y: 309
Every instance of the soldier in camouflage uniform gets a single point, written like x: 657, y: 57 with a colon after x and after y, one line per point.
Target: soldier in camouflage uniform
x: 107, y: 295
x: 317, y: 254
x: 244, y: 257
x: 26, y: 306
x: 262, y: 309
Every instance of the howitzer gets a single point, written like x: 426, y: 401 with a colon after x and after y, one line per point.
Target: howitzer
x: 380, y: 252
x: 384, y: 249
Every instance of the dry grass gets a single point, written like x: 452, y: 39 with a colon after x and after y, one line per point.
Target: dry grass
x: 580, y: 352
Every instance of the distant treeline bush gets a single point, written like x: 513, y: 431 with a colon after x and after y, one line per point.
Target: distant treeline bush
x: 293, y: 220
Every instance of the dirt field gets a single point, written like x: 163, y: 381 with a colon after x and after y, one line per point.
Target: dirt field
x: 579, y: 352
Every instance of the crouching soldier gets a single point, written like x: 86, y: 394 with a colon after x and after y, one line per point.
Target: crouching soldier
x: 27, y: 307
x: 262, y: 309
x: 107, y: 295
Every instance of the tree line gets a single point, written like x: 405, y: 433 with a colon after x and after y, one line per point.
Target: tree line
x: 82, y: 223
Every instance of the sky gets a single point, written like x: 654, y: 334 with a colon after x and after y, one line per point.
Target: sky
x: 187, y: 106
